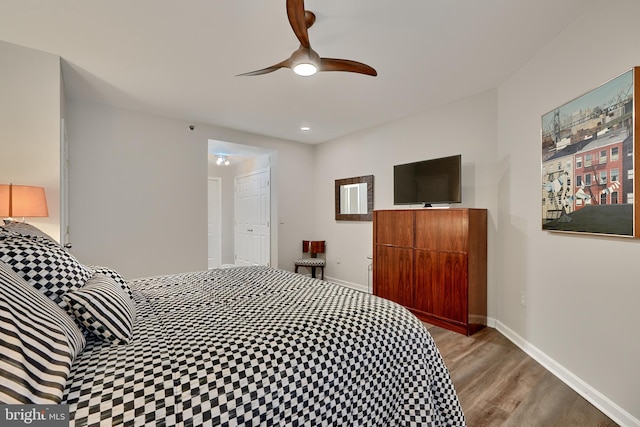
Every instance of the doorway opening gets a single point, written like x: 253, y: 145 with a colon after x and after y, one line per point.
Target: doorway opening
x: 243, y: 161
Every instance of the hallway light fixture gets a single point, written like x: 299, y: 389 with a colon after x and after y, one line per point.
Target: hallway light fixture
x: 222, y: 160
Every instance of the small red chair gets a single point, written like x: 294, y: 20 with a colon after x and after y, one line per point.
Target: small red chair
x: 313, y: 248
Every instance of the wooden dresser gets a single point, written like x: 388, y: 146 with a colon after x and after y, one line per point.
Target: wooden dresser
x: 434, y: 262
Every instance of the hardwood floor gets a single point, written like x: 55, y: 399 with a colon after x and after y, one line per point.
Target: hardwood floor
x: 500, y: 385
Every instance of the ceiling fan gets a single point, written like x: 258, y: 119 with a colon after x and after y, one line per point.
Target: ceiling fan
x: 305, y: 61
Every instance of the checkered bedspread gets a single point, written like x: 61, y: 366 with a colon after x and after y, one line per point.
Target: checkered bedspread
x: 252, y: 346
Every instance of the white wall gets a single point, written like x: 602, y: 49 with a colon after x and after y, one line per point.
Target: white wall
x: 30, y: 112
x: 138, y: 190
x: 466, y: 127
x: 582, y: 292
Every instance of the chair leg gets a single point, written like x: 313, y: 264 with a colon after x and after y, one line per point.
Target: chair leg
x: 313, y: 272
x: 322, y: 271
x: 296, y: 268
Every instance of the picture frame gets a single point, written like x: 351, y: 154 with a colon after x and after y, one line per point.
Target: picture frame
x: 588, y: 167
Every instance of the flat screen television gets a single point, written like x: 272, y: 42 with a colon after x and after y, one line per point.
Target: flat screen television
x: 428, y: 181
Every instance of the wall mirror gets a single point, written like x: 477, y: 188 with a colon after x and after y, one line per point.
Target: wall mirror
x: 354, y: 199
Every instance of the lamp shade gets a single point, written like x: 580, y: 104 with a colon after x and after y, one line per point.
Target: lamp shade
x: 315, y: 247
x: 22, y: 200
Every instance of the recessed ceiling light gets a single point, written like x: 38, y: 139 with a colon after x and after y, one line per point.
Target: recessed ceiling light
x: 305, y: 128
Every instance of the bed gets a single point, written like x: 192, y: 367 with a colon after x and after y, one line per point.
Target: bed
x: 242, y: 346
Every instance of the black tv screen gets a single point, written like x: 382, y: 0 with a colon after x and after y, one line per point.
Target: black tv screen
x: 428, y: 181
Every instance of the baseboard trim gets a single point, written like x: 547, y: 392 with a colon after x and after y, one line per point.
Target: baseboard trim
x: 597, y: 399
x: 356, y: 286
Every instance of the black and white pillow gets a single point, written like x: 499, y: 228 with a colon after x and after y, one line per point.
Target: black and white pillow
x: 104, y: 308
x: 106, y: 271
x: 38, y: 343
x: 43, y: 264
x: 26, y: 229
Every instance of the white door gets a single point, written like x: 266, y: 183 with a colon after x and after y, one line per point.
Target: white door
x: 215, y: 222
x: 252, y: 218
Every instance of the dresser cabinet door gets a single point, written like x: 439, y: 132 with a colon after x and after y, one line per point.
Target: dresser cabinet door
x: 443, y: 230
x: 394, y: 274
x: 440, y: 286
x: 394, y: 228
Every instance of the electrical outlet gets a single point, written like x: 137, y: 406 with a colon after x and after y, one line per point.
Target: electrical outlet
x: 337, y: 260
x: 523, y: 299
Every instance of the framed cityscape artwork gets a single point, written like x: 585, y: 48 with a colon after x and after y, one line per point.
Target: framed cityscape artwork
x: 588, y: 146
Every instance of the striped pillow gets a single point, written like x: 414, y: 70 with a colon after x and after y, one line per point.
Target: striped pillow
x: 38, y: 343
x: 104, y: 308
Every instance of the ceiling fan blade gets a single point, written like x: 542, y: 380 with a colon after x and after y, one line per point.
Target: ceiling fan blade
x: 284, y: 64
x: 295, y: 12
x: 330, y: 64
x: 260, y: 72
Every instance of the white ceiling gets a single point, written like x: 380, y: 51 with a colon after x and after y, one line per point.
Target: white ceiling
x: 179, y: 58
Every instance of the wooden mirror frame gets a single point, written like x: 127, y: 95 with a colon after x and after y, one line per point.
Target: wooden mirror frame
x: 368, y: 179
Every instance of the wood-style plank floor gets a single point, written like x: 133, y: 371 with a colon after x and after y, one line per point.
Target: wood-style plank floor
x: 500, y: 385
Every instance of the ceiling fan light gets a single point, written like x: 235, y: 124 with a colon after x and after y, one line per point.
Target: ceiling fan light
x: 305, y: 69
